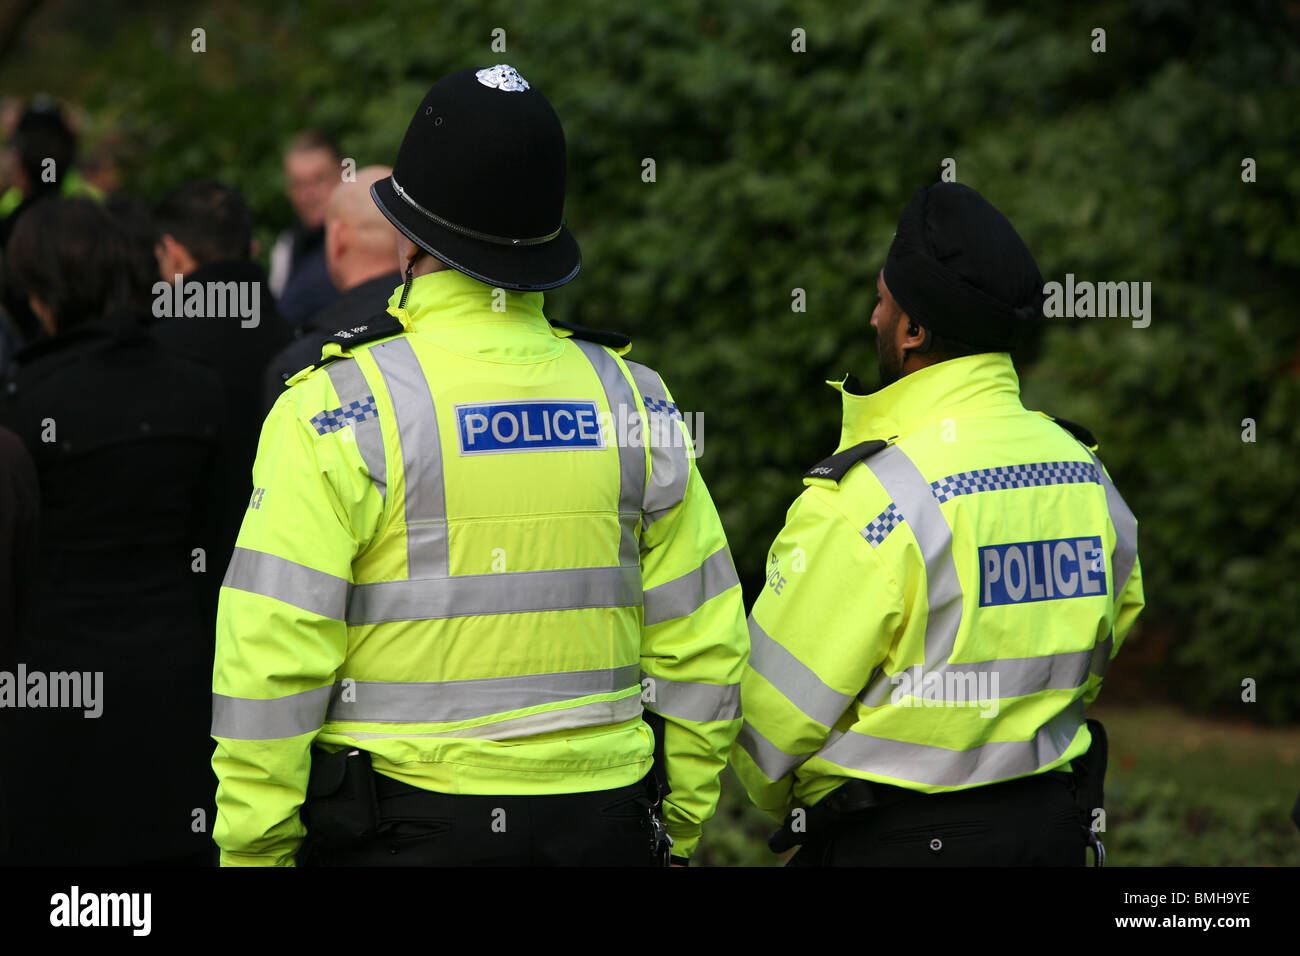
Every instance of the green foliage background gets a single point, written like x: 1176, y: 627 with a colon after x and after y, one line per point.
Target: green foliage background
x: 779, y: 170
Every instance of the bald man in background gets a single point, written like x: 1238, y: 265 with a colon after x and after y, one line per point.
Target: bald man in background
x: 361, y: 252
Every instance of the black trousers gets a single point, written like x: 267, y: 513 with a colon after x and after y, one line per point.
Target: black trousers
x: 422, y: 828
x: 1033, y: 821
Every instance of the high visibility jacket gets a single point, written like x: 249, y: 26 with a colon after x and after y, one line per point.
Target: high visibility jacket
x: 944, y: 599
x: 74, y: 186
x: 475, y: 549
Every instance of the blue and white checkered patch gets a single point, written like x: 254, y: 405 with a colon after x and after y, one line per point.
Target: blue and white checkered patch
x: 345, y: 415
x: 659, y: 406
x: 1014, y: 476
x: 988, y: 479
x: 879, y: 528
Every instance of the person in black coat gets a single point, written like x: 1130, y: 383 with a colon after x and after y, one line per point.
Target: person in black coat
x: 19, y: 519
x: 125, y: 438
x: 219, y: 313
x: 362, y: 255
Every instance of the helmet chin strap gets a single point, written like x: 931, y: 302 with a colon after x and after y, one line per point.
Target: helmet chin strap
x: 410, y: 265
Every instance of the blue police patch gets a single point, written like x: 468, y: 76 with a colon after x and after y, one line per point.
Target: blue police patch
x: 494, y: 428
x: 1041, y: 571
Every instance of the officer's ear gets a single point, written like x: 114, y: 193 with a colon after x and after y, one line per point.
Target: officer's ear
x: 916, y: 338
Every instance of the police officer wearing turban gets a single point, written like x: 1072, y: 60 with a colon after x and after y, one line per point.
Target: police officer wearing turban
x: 948, y: 590
x: 481, y: 610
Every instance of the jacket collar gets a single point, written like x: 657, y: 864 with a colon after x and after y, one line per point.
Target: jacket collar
x: 101, y: 331
x: 448, y: 299
x: 957, y: 386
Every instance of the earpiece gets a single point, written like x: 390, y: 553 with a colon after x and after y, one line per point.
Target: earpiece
x: 914, y: 329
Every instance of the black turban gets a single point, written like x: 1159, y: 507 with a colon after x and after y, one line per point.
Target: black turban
x: 958, y: 268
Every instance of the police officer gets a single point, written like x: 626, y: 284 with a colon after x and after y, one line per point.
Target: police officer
x: 479, y: 561
x: 945, y: 597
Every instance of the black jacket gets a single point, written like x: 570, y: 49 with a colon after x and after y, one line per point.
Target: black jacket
x: 125, y: 439
x: 19, y: 519
x: 351, y: 308
x: 239, y: 356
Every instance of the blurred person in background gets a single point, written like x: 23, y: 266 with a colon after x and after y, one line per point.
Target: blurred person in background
x: 19, y: 523
x: 134, y: 217
x: 299, y: 278
x: 124, y: 437
x: 19, y: 512
x: 40, y: 164
x: 205, y: 235
x: 360, y: 251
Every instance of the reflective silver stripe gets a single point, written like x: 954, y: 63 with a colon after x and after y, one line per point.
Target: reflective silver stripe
x: 242, y: 718
x: 797, y: 682
x: 689, y: 700
x: 508, y: 592
x: 767, y: 756
x: 941, y: 767
x: 351, y: 386
x: 316, y: 591
x: 433, y: 702
x: 1122, y: 561
x: 1125, y: 554
x: 669, y: 458
x: 1014, y: 676
x: 688, y: 593
x: 631, y: 459
x: 916, y: 504
x: 417, y: 431
x: 594, y: 714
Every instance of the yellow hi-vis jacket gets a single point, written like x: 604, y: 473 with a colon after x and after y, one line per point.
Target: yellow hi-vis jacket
x: 944, y: 599
x: 476, y: 548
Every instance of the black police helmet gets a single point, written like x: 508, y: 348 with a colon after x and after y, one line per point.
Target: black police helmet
x: 479, y: 181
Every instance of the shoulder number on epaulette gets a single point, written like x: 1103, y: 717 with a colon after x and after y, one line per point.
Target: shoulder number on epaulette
x: 378, y: 327
x: 837, y: 466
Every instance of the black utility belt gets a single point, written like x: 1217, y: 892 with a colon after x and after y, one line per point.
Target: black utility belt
x: 856, y: 794
x: 856, y: 797
x: 347, y: 800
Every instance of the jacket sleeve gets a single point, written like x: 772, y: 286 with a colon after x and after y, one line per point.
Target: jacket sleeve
x: 826, y: 618
x: 1129, y: 600
x: 1130, y: 604
x: 281, y: 629
x: 694, y: 641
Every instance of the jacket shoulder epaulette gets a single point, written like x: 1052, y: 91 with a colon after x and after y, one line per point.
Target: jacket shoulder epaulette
x: 378, y: 326
x: 615, y: 340
x: 837, y: 466
x: 1077, y: 430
